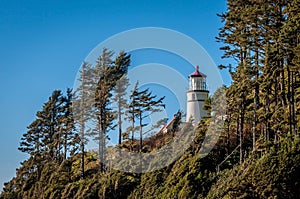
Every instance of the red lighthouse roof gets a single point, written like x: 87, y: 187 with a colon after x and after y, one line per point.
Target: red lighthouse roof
x: 197, y: 73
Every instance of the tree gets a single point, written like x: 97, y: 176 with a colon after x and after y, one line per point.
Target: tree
x: 50, y: 136
x: 31, y: 140
x: 107, y: 72
x: 132, y: 111
x: 69, y: 137
x: 50, y: 125
x: 262, y: 38
x: 83, y: 106
x: 177, y: 122
x: 235, y: 36
x: 120, y: 90
x: 289, y: 36
x: 144, y: 105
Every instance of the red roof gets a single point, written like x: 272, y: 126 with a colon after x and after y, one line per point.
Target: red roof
x: 167, y: 125
x: 197, y: 73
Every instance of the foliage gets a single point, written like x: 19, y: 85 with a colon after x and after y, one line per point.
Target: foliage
x: 256, y: 156
x: 274, y: 175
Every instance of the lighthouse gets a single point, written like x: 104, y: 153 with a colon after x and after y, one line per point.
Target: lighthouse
x: 196, y: 95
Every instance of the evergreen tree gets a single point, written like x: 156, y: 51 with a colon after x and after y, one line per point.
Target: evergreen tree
x: 177, y: 122
x: 253, y: 35
x: 83, y: 106
x: 119, y: 98
x: 50, y: 125
x: 69, y: 137
x: 50, y: 137
x: 31, y: 140
x: 120, y: 90
x: 132, y: 111
x: 107, y: 72
x: 144, y: 103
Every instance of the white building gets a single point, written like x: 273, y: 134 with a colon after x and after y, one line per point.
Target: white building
x: 196, y: 95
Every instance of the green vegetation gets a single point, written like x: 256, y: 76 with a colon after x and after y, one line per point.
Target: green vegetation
x: 256, y: 156
x: 274, y: 174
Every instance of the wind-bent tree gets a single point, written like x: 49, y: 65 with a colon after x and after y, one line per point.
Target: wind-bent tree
x: 50, y: 122
x: 31, y: 140
x: 177, y: 122
x: 120, y: 91
x: 51, y: 137
x: 108, y: 72
x: 132, y: 112
x: 83, y: 106
x: 143, y: 104
x: 68, y: 136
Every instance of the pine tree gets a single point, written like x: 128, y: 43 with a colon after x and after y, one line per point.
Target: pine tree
x: 50, y: 125
x: 102, y: 95
x: 177, y: 122
x: 83, y: 107
x: 132, y: 111
x: 31, y: 140
x: 120, y: 90
x: 289, y: 36
x: 50, y: 137
x: 68, y: 136
x: 145, y: 104
x: 261, y: 36
x: 241, y: 36
x: 107, y: 72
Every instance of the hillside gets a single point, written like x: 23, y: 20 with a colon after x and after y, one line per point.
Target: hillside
x: 274, y: 174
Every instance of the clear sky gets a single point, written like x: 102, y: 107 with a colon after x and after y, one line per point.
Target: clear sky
x: 43, y: 43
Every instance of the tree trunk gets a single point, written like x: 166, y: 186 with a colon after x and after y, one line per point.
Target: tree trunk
x: 82, y: 161
x: 120, y: 123
x: 237, y: 129
x: 293, y: 105
x: 101, y: 141
x: 132, y: 130
x: 82, y: 142
x: 241, y: 133
x: 141, y: 132
x: 290, y: 100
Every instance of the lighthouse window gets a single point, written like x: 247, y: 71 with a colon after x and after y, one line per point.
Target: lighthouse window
x: 198, y: 83
x: 203, y: 86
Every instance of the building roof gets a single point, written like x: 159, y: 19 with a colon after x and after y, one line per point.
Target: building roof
x: 197, y: 73
x: 167, y: 125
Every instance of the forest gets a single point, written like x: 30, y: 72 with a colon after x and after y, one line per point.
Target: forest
x: 256, y: 156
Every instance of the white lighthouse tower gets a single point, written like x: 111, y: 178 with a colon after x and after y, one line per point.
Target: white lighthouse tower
x: 196, y: 95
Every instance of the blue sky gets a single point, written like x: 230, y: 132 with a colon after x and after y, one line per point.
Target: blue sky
x: 43, y: 43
